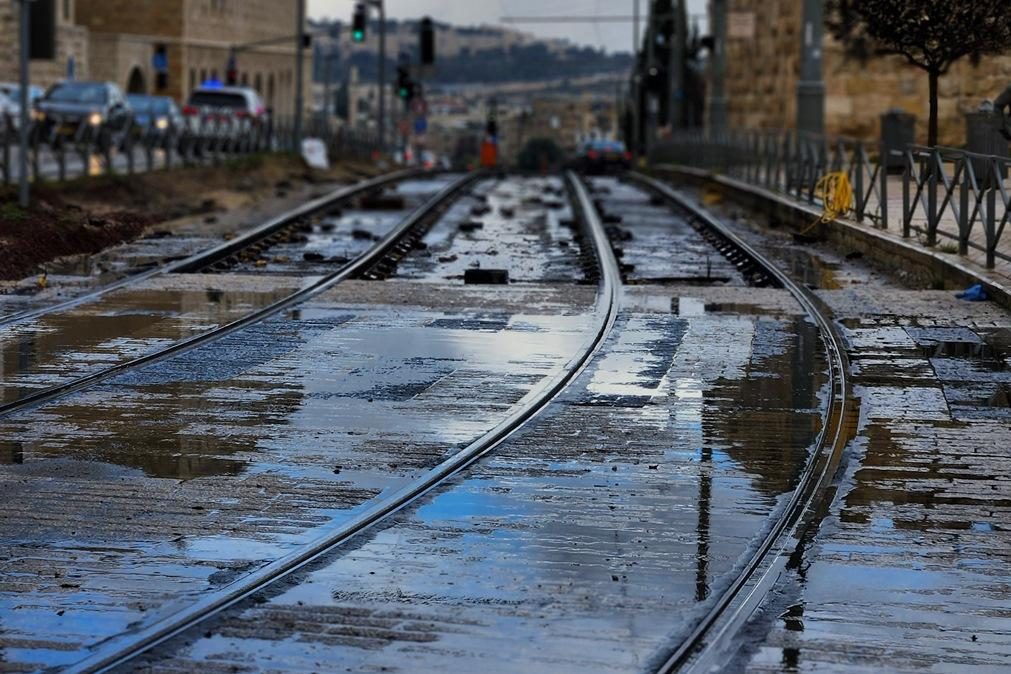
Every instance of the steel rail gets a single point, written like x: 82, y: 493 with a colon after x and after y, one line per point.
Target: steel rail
x: 221, y: 251
x: 364, y: 261
x: 119, y: 651
x: 701, y: 648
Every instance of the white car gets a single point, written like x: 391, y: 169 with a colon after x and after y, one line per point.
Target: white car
x: 225, y: 112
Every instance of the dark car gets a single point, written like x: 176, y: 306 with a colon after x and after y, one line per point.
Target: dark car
x: 158, y: 113
x: 71, y: 109
x: 604, y: 156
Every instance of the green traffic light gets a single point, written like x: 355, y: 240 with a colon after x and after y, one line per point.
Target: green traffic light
x: 404, y: 92
x: 358, y: 36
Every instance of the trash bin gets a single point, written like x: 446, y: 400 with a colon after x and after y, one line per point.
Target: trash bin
x: 898, y: 129
x: 983, y: 136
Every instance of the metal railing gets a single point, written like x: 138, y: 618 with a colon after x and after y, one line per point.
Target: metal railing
x: 945, y: 192
x: 60, y: 152
x: 956, y: 194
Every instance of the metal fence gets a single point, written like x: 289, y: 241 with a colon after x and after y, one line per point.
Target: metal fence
x: 61, y: 153
x: 945, y: 192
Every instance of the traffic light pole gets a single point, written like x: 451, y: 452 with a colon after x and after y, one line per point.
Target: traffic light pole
x: 636, y: 84
x: 23, y: 193
x: 382, y: 73
x: 299, y: 65
x: 811, y: 86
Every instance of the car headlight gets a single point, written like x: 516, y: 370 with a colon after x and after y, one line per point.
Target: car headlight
x: 161, y: 124
x: 95, y: 119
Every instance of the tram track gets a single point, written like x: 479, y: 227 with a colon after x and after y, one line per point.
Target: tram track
x: 121, y: 650
x: 395, y: 241
x: 206, y: 258
x: 707, y: 642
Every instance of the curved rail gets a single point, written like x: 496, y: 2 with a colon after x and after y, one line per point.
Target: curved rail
x: 211, y: 255
x: 701, y: 648
x: 432, y: 207
x: 119, y: 651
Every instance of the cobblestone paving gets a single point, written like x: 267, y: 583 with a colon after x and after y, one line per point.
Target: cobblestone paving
x: 910, y: 570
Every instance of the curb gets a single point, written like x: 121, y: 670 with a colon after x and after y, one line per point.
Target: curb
x: 882, y: 249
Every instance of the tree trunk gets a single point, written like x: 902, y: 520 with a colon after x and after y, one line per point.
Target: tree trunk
x: 932, y: 122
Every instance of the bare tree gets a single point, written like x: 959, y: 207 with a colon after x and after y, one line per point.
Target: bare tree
x: 929, y: 34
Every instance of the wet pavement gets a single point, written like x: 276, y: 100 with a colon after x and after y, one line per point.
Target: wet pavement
x: 592, y: 538
x: 145, y: 317
x: 136, y: 496
x: 522, y: 226
x: 909, y: 569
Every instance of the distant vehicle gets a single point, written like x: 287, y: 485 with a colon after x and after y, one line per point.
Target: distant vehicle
x: 158, y: 113
x: 603, y: 156
x: 69, y: 108
x: 225, y: 112
x: 10, y: 102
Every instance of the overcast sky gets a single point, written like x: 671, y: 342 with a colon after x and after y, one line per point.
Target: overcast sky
x: 611, y: 36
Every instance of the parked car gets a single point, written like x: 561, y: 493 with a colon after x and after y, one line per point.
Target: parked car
x: 228, y: 113
x: 603, y: 156
x: 70, y: 107
x: 10, y: 102
x: 159, y: 113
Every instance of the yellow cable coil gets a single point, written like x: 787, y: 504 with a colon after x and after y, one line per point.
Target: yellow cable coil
x: 836, y: 194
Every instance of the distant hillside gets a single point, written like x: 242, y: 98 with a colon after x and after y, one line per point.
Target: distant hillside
x: 483, y: 54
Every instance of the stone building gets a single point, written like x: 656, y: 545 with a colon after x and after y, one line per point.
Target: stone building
x: 196, y: 38
x: 71, y: 45
x: 763, y: 62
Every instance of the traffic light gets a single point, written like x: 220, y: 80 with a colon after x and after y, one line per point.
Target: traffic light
x: 405, y: 87
x: 427, y: 42
x: 358, y: 23
x: 42, y: 29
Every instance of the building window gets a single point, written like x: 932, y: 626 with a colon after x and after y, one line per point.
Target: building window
x: 245, y: 79
x: 203, y: 76
x: 258, y: 83
x: 193, y: 79
x: 66, y: 11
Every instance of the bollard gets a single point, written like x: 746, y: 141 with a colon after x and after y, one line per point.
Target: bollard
x: 983, y: 136
x: 898, y: 130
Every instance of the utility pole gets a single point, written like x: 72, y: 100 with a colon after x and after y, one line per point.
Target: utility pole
x: 652, y: 100
x: 811, y: 86
x: 717, y: 95
x: 636, y: 84
x: 299, y: 64
x: 382, y: 74
x: 23, y: 193
x: 676, y: 66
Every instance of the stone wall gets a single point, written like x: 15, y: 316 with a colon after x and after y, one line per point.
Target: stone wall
x: 71, y: 41
x: 198, y: 36
x: 762, y: 78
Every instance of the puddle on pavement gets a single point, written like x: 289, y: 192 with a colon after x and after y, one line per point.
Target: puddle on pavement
x: 124, y: 325
x: 585, y: 537
x: 808, y: 268
x: 357, y: 377
x: 514, y: 225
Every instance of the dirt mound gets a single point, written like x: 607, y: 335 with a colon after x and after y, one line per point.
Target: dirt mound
x: 49, y: 230
x: 90, y: 214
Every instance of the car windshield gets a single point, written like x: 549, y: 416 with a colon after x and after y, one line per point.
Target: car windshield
x: 218, y: 99
x: 78, y: 93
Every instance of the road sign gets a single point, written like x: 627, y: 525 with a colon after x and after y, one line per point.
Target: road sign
x: 420, y: 125
x: 419, y: 106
